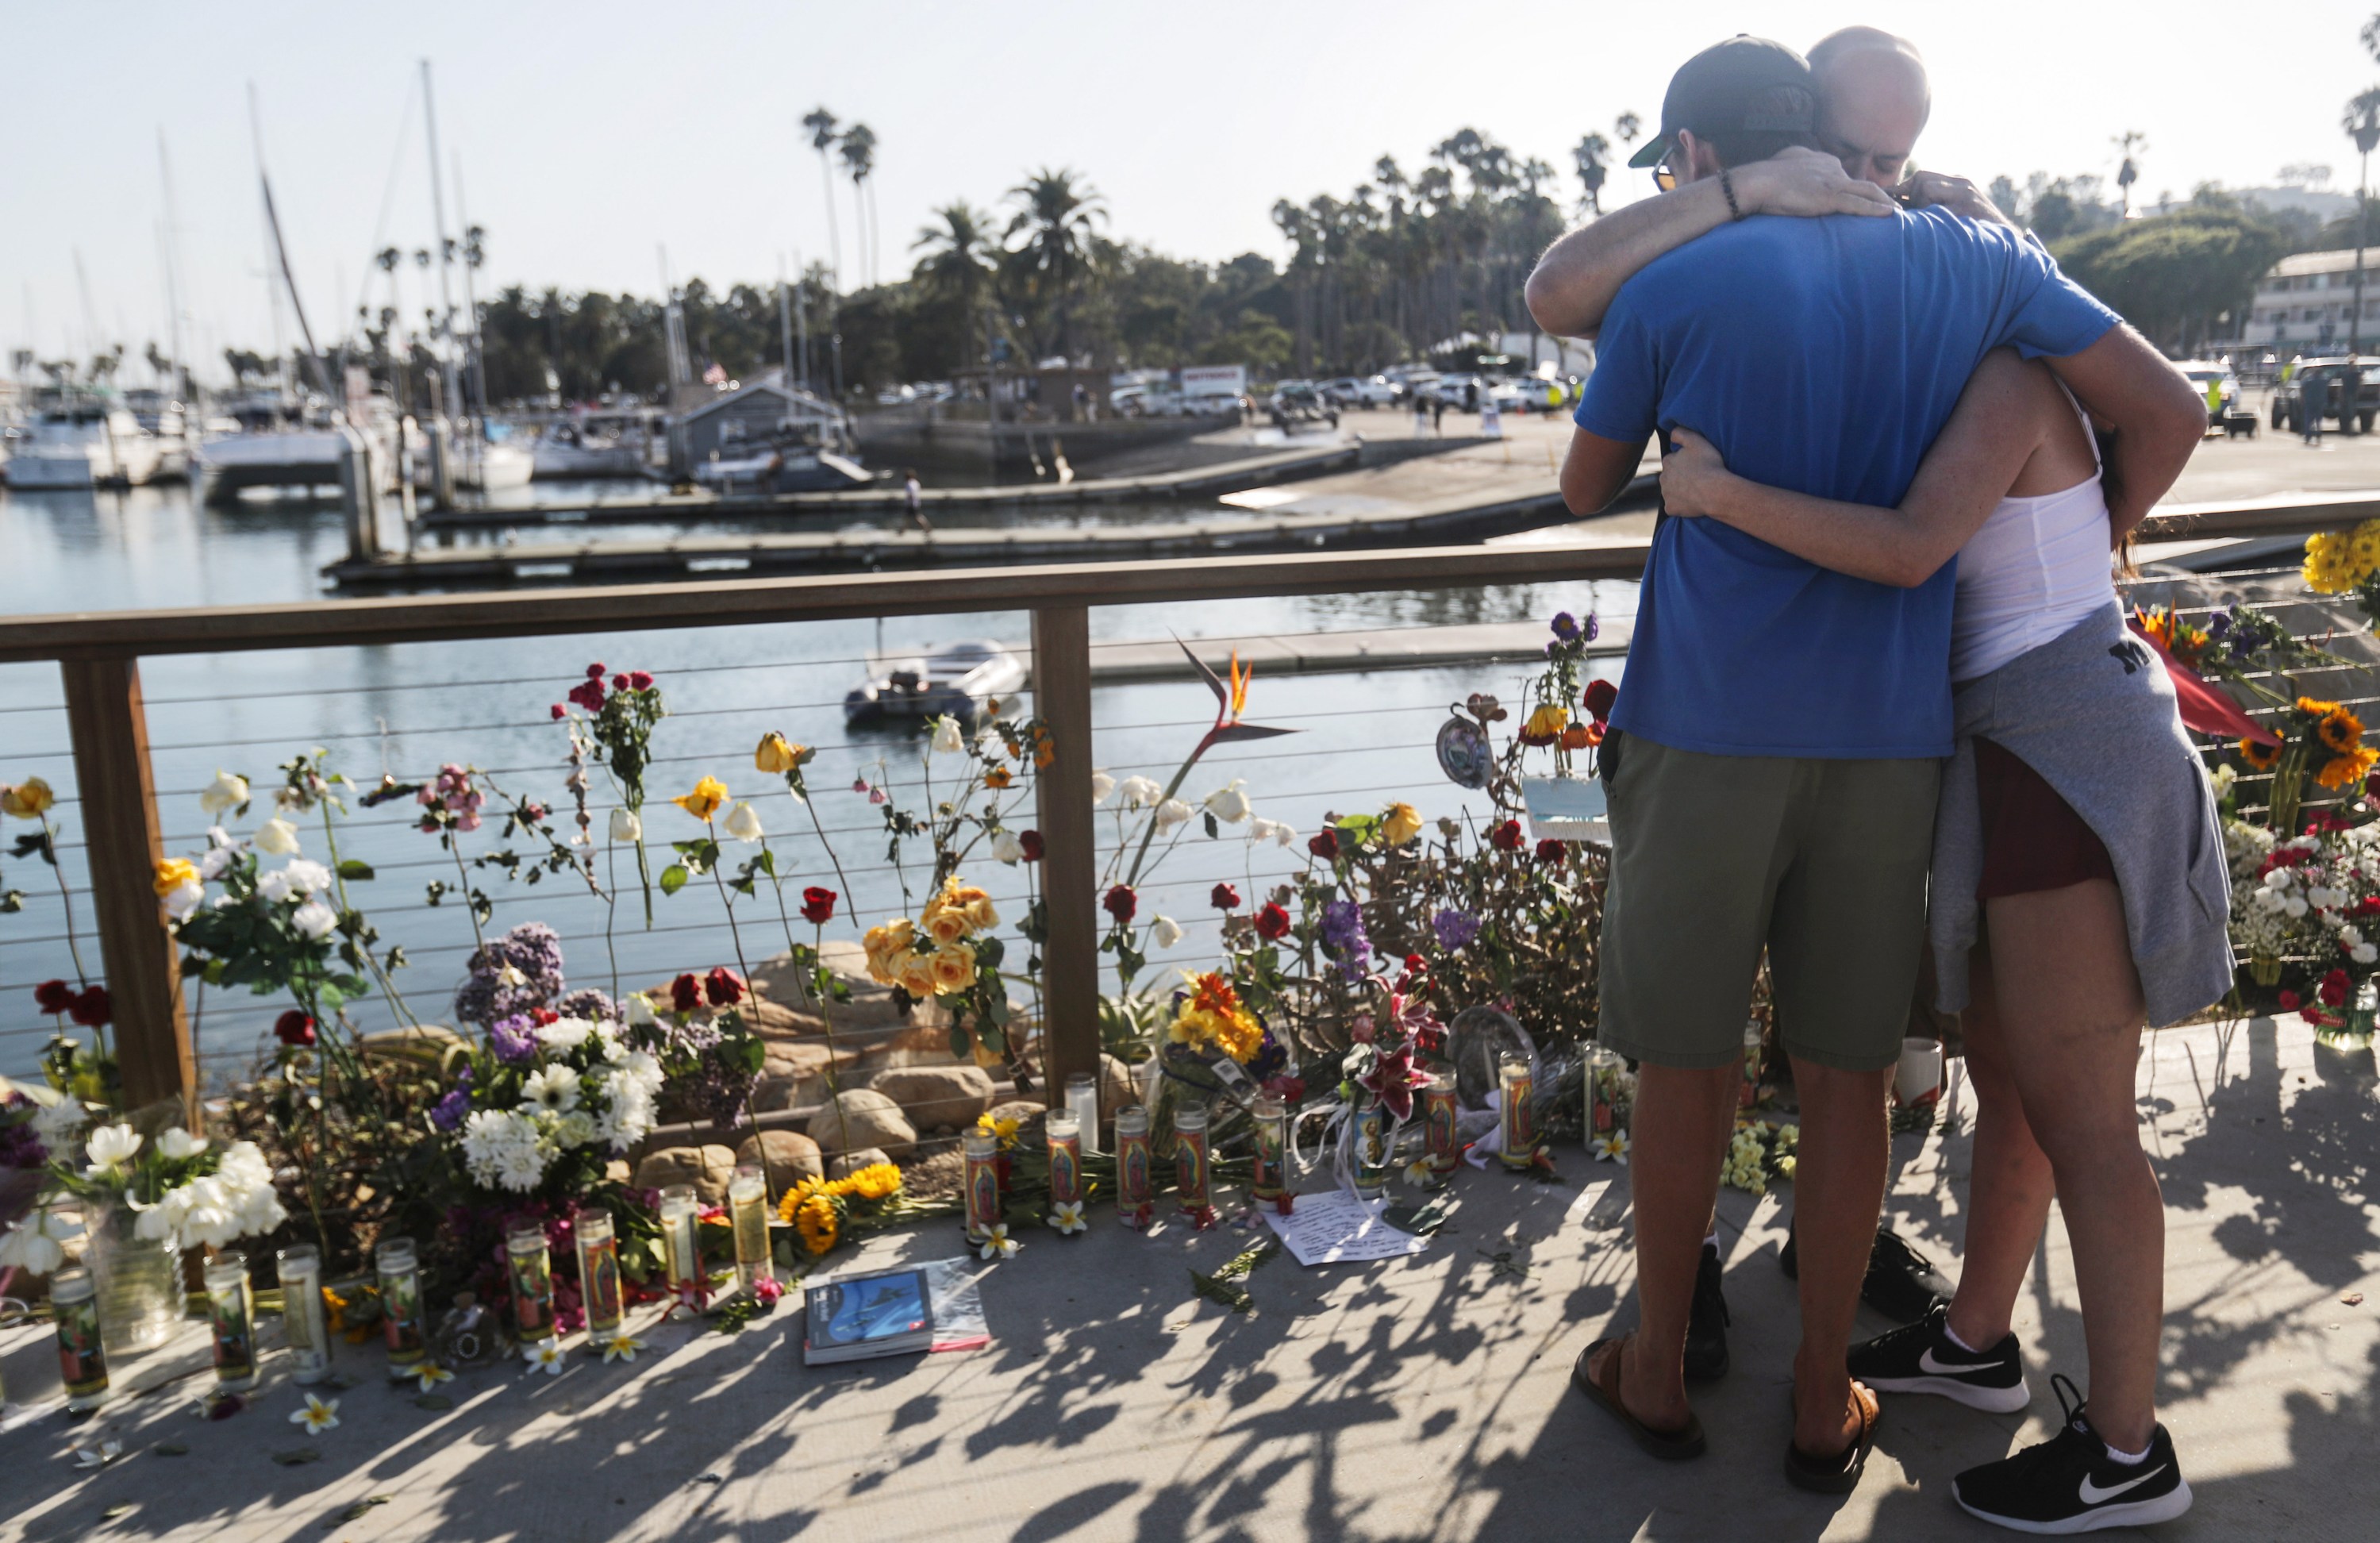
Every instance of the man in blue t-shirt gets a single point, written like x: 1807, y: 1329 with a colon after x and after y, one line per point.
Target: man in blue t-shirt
x: 1772, y: 775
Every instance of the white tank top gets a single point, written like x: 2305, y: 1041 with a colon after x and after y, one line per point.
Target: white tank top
x: 2036, y: 568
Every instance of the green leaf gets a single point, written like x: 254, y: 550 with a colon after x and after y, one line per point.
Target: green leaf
x: 113, y: 1512
x: 1213, y: 829
x: 356, y: 1511
x: 295, y: 1456
x: 988, y: 952
x: 673, y: 878
x: 172, y: 1449
x: 435, y: 1400
x: 959, y: 1045
x: 355, y: 868
x: 993, y: 1040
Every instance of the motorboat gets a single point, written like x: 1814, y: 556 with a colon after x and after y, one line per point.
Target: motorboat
x: 788, y: 464
x: 170, y: 421
x: 961, y: 680
x: 593, y: 446
x: 85, y: 440
x: 494, y: 463
x: 275, y: 444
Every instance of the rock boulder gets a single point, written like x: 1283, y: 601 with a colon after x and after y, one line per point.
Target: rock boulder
x: 937, y: 1095
x: 852, y: 1162
x: 788, y: 1155
x: 707, y: 1168
x: 863, y: 1118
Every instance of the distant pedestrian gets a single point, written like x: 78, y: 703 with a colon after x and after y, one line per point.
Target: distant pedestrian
x: 2313, y: 397
x: 1437, y: 414
x: 1421, y: 414
x: 913, y: 498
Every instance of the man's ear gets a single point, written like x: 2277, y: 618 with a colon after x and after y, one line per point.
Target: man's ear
x: 1702, y: 156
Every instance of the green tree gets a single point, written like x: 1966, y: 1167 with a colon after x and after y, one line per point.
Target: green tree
x: 822, y: 127
x: 1057, y: 215
x: 859, y: 165
x: 2172, y: 275
x: 1591, y: 155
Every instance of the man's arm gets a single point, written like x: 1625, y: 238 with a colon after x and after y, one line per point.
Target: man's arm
x: 2158, y: 418
x: 1575, y: 279
x: 1597, y: 470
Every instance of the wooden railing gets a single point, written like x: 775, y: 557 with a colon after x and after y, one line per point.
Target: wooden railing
x: 98, y: 653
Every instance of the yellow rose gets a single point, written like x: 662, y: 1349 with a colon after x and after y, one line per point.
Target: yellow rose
x: 914, y: 973
x: 945, y: 924
x: 956, y: 894
x: 980, y: 915
x: 704, y: 801
x: 883, y: 946
x: 173, y: 873
x: 777, y: 754
x: 1400, y: 824
x: 953, y: 968
x: 27, y: 800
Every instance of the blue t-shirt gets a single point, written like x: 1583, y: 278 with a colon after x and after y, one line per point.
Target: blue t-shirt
x: 1821, y: 355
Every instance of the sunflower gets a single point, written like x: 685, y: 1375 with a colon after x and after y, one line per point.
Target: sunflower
x: 999, y: 776
x: 2311, y: 708
x: 2347, y: 770
x: 2258, y: 756
x: 2342, y: 731
x: 820, y: 1223
x: 789, y: 1205
x: 878, y: 1181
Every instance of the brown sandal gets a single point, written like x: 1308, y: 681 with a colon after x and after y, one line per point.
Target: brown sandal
x: 1839, y: 1475
x: 1671, y: 1446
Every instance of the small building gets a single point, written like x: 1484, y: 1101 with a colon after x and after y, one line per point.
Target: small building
x: 736, y: 422
x: 2308, y: 301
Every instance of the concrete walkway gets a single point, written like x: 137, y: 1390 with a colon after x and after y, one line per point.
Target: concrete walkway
x: 1424, y: 1398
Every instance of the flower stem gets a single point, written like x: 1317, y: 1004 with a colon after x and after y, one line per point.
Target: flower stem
x: 66, y: 898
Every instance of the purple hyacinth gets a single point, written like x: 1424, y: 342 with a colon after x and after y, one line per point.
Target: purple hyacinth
x: 533, y: 950
x: 1455, y: 928
x: 513, y: 1039
x: 448, y: 1112
x: 1344, y: 934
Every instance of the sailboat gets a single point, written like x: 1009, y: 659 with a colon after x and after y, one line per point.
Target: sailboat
x: 81, y: 439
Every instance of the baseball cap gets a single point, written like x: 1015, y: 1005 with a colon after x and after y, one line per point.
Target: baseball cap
x: 1746, y: 84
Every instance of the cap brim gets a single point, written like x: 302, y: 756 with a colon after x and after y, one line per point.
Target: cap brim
x: 1654, y: 149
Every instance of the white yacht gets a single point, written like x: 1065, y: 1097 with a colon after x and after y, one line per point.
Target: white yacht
x: 595, y: 446
x: 960, y: 679
x: 85, y: 441
x: 275, y: 444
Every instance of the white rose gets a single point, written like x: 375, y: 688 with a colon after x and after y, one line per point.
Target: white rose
x: 1139, y: 793
x: 1172, y: 812
x: 743, y: 824
x: 1007, y: 848
x: 2363, y: 954
x: 227, y: 792
x: 277, y: 838
x: 1165, y: 932
x: 2322, y: 897
x: 1101, y: 785
x: 177, y: 1143
x: 2295, y: 906
x: 641, y: 1011
x: 314, y: 920
x: 947, y: 739
x: 184, y: 899
x: 1228, y: 804
x: 216, y: 859
x: 1284, y: 832
x: 625, y: 826
x: 306, y: 876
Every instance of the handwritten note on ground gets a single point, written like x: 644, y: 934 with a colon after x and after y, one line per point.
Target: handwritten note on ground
x: 1335, y: 1228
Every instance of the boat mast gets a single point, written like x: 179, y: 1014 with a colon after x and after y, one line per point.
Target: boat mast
x: 181, y: 386
x: 475, y: 353
x: 445, y: 249
x: 785, y: 322
x: 272, y: 289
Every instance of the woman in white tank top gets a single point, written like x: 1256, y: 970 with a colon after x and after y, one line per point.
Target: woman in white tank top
x: 2014, y: 491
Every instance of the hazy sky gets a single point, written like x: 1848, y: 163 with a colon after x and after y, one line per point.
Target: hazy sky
x: 592, y: 131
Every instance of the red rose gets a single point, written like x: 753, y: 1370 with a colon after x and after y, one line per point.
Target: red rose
x: 1600, y: 694
x: 639, y: 680
x: 1505, y: 837
x: 293, y: 1029
x: 2288, y: 1001
x: 560, y: 711
x: 1552, y: 851
x: 91, y: 1009
x: 619, y: 682
x: 1287, y: 1088
x: 1120, y: 902
x: 541, y: 1017
x: 723, y: 987
x: 1224, y: 898
x: 1325, y: 845
x: 1272, y: 922
x: 595, y: 672
x: 686, y: 993
x: 818, y: 906
x: 1031, y: 841
x: 2332, y: 989
x: 533, y: 813
x: 54, y: 996
x: 589, y: 694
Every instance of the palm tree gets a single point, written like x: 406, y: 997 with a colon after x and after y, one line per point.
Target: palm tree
x: 1057, y: 214
x: 858, y: 163
x: 961, y: 256
x: 2363, y: 124
x: 1591, y: 155
x: 2128, y: 141
x: 1625, y: 128
x: 821, y: 125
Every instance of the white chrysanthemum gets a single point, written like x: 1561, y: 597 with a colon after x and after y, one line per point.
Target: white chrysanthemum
x: 577, y: 1128
x: 643, y: 1071
x: 553, y: 1090
x: 565, y: 1034
x: 520, y: 1168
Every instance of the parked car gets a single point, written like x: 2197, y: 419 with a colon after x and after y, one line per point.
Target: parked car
x: 2229, y: 415
x: 2353, y: 411
x: 1355, y: 391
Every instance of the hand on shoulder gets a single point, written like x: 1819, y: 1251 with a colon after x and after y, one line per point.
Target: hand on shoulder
x: 1941, y: 190
x: 1808, y: 183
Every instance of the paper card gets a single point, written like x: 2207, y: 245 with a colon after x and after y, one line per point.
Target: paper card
x: 1566, y: 808
x: 1334, y: 1227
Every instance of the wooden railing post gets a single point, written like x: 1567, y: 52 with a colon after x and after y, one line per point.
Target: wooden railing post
x: 123, y: 843
x: 1070, y: 959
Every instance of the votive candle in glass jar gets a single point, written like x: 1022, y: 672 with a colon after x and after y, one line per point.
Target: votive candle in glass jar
x: 681, y: 1244
x: 1517, y: 1146
x: 599, y: 1271
x: 1064, y: 1134
x: 1136, y: 1182
x: 1370, y: 1132
x: 231, y: 1320
x: 1440, y: 1134
x: 1606, y: 1113
x: 1748, y: 1093
x: 400, y: 1306
x: 529, y: 1266
x: 1190, y: 1167
x: 303, y: 1324
x: 82, y: 1362
x: 1270, y: 1169
x: 748, y: 1214
x: 981, y: 1150
x: 1083, y: 1102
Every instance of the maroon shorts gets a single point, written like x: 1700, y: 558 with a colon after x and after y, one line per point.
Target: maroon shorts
x: 2033, y: 838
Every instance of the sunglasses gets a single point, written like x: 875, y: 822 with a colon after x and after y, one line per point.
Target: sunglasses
x: 1664, y: 179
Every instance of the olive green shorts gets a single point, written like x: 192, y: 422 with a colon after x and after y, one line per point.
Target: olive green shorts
x: 1714, y: 857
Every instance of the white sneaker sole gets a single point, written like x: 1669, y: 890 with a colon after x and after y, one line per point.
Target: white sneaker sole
x: 2138, y: 1513
x: 1994, y: 1401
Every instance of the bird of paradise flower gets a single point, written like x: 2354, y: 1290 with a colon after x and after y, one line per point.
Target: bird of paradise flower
x: 1231, y: 701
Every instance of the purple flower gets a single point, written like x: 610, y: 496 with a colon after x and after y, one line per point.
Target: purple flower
x: 513, y: 1039
x: 1455, y: 928
x: 1344, y: 934
x: 1565, y: 627
x: 588, y: 1003
x: 21, y: 1147
x: 448, y: 1112
x: 533, y: 951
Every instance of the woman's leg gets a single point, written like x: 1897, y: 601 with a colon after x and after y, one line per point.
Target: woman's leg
x: 2009, y: 1194
x: 2071, y: 1020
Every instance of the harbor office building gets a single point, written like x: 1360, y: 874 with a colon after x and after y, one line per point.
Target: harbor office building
x: 749, y: 418
x: 2306, y: 304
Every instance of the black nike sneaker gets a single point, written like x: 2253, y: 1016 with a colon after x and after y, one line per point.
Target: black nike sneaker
x: 2070, y: 1484
x: 1901, y: 1282
x: 1706, y: 1325
x: 1923, y: 1358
